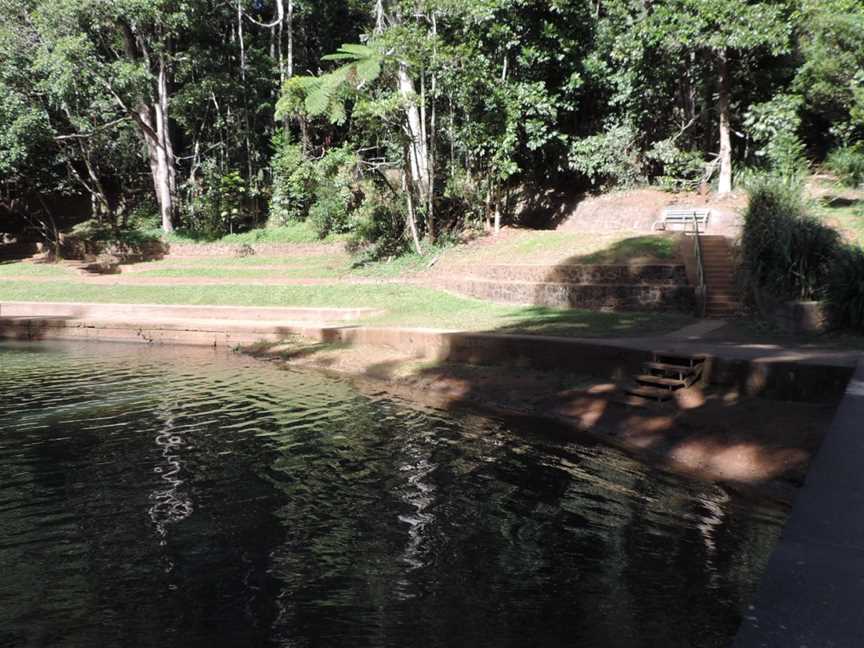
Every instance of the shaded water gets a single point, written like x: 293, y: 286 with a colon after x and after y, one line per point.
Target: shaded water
x: 181, y: 498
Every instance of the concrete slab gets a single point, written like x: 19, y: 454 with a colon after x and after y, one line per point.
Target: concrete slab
x: 148, y: 312
x: 812, y: 591
x: 810, y: 598
x: 697, y: 330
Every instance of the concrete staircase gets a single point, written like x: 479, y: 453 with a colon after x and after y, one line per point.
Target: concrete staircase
x: 722, y: 299
x: 663, y: 376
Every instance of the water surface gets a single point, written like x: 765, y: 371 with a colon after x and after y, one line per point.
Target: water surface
x: 183, y: 497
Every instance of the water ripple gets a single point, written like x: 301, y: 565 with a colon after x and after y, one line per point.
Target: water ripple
x: 168, y: 497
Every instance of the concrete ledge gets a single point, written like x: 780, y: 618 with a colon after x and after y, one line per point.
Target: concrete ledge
x: 147, y: 312
x: 774, y: 373
x: 812, y: 590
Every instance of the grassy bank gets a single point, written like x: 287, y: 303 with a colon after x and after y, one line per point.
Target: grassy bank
x: 405, y: 305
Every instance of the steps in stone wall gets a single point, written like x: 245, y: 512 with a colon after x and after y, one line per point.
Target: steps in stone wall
x: 722, y: 296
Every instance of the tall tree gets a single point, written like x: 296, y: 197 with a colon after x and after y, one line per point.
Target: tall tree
x: 725, y: 32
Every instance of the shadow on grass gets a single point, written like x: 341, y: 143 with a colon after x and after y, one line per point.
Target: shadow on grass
x: 840, y: 202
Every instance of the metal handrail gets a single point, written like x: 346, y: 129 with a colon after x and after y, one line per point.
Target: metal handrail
x: 700, y: 270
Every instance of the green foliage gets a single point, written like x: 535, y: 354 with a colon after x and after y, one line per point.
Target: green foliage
x: 845, y: 291
x: 294, y: 183
x: 771, y: 123
x: 847, y: 163
x: 378, y: 229
x: 786, y: 253
x: 219, y: 207
x: 610, y: 159
x: 679, y: 170
x: 830, y: 76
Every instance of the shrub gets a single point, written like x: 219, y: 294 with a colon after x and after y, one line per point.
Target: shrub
x: 378, y: 228
x: 845, y: 292
x: 294, y: 182
x: 847, y: 163
x: 679, y: 170
x: 609, y: 159
x: 786, y: 253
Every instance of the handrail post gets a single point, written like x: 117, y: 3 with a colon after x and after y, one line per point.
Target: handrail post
x: 702, y: 290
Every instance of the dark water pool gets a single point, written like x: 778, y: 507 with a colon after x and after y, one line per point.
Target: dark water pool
x: 180, y: 498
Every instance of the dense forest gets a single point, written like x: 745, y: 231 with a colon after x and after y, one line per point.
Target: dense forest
x: 402, y: 121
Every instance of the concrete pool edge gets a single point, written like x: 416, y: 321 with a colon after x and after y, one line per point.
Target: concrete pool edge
x: 807, y: 375
x: 810, y: 594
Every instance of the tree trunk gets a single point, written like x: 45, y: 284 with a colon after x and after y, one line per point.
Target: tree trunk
x: 725, y: 185
x: 417, y: 153
x: 409, y: 197
x: 165, y: 179
x: 157, y: 139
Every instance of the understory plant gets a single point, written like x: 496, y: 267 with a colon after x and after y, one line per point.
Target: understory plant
x: 845, y: 292
x: 786, y: 253
x: 847, y: 163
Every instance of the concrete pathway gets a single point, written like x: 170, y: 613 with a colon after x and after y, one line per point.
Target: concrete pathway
x: 698, y: 330
x: 812, y: 591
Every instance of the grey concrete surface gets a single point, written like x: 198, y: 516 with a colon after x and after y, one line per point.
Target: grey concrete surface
x: 812, y: 594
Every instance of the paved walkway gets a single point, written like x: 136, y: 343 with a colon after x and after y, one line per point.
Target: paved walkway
x: 812, y: 591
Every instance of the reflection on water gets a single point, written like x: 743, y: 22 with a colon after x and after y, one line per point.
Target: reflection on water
x: 164, y: 497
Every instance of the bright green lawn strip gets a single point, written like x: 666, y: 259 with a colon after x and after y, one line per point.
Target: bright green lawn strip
x: 405, y: 305
x: 244, y: 273
x: 300, y: 261
x: 659, y: 247
x: 850, y: 219
x: 22, y: 269
x: 559, y: 247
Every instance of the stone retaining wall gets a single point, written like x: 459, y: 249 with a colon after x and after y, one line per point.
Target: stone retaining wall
x: 673, y: 274
x: 637, y: 297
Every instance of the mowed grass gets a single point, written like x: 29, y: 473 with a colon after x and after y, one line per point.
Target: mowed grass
x: 558, y: 247
x: 26, y: 269
x: 404, y: 305
x: 243, y: 273
x: 847, y: 216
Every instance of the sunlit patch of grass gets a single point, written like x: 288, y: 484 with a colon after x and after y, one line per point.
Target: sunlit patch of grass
x: 846, y: 213
x: 556, y: 247
x: 29, y: 269
x: 650, y: 247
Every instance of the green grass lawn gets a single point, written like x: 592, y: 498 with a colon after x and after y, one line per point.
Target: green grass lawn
x: 24, y: 269
x: 555, y: 247
x: 244, y: 273
x: 405, y: 306
x: 842, y: 208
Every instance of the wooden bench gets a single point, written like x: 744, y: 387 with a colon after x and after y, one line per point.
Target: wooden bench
x: 683, y: 217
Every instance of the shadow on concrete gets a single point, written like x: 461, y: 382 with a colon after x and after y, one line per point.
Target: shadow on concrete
x: 31, y: 329
x: 718, y: 430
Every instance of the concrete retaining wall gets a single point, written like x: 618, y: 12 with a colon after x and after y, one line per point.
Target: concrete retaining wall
x: 664, y: 274
x: 638, y: 297
x: 780, y: 376
x: 812, y: 589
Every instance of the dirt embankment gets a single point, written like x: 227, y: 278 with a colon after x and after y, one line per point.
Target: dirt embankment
x: 707, y: 435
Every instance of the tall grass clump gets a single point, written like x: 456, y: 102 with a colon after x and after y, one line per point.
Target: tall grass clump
x: 847, y: 163
x: 786, y: 252
x: 845, y: 293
